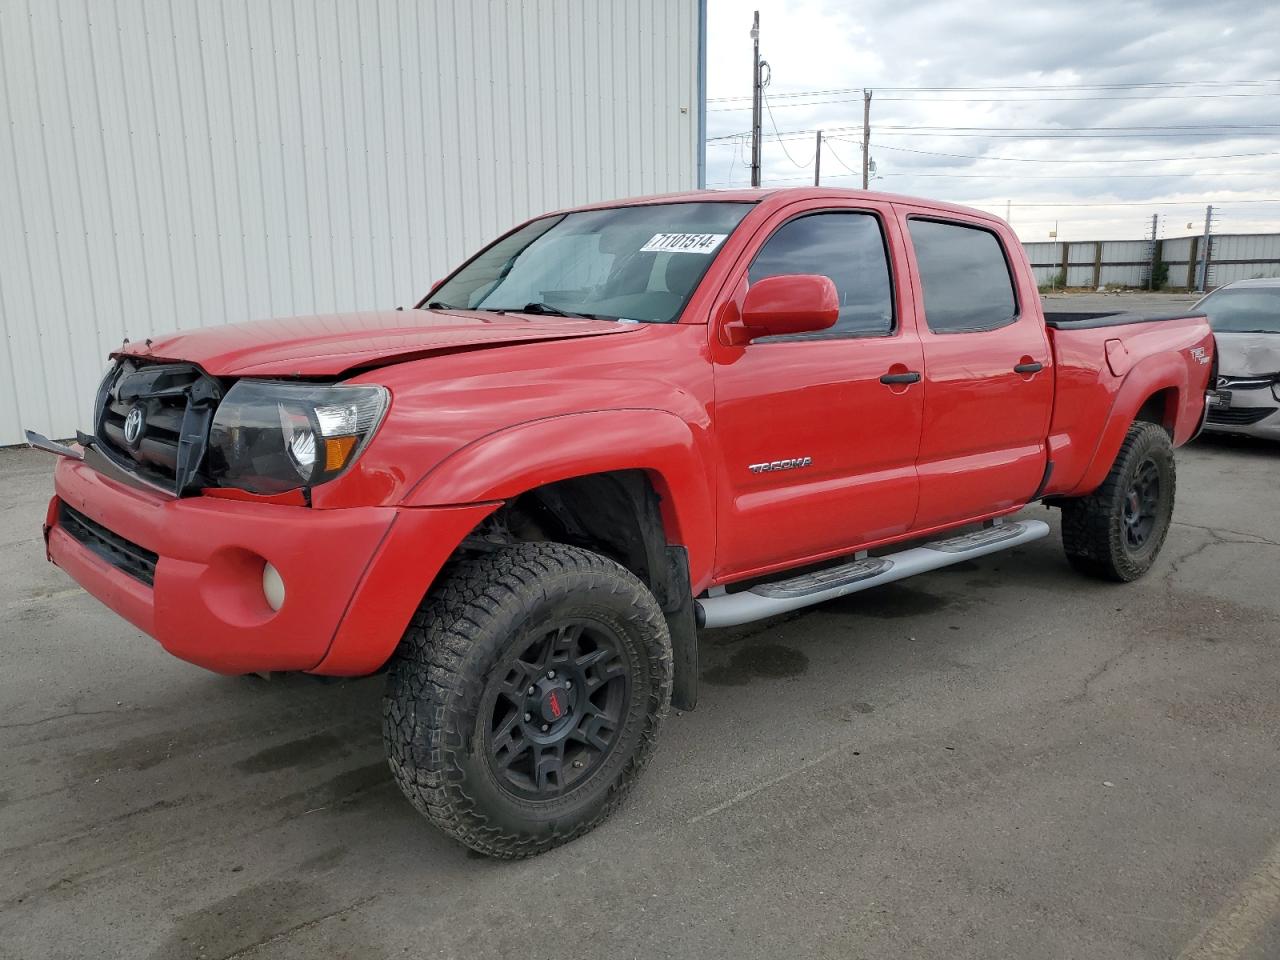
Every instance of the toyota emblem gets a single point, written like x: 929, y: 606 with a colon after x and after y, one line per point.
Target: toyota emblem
x: 133, y: 427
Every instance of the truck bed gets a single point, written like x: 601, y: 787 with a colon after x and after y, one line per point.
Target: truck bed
x: 1106, y: 366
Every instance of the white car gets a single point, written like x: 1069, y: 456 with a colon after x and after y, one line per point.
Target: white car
x: 1245, y: 317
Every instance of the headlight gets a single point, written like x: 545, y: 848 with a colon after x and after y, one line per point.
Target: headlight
x: 1275, y: 388
x: 268, y: 436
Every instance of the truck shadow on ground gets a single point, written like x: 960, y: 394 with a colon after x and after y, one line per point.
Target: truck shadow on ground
x: 877, y: 621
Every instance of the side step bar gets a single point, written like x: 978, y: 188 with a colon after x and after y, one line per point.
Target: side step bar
x: 783, y: 596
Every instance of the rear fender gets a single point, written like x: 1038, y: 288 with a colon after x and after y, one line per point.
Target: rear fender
x: 1163, y: 371
x: 511, y: 461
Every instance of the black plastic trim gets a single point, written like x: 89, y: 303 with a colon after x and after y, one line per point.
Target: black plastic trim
x: 683, y: 621
x: 911, y: 376
x: 125, y: 555
x: 1240, y: 416
x: 1087, y: 321
x: 1044, y: 482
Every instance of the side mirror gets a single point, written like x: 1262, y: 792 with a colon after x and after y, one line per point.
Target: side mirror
x: 796, y: 303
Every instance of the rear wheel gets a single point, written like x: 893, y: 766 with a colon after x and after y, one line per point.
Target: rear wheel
x: 1116, y: 532
x: 526, y: 697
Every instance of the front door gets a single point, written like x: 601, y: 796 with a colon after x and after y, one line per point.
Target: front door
x: 988, y: 377
x: 818, y: 453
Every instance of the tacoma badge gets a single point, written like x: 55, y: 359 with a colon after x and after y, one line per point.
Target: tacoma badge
x: 792, y: 464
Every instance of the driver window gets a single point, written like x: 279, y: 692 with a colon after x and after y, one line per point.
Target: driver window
x: 850, y: 249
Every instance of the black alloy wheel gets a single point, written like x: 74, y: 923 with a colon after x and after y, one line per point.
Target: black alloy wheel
x: 1142, y: 505
x: 556, y: 710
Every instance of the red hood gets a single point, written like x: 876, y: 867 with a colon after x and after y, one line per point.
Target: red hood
x: 332, y: 344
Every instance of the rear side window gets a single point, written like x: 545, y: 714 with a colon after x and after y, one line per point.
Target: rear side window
x: 847, y: 247
x: 966, y: 280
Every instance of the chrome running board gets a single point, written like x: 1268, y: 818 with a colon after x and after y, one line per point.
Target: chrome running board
x: 862, y: 573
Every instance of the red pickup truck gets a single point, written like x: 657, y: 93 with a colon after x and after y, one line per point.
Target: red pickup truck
x: 609, y: 428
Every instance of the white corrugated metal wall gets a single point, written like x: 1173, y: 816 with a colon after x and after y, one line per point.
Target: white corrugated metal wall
x: 1243, y: 257
x: 179, y: 164
x: 1080, y: 265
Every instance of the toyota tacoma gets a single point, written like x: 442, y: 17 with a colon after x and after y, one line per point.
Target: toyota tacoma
x: 610, y: 428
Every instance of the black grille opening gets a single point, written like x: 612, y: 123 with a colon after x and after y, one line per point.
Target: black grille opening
x: 125, y: 555
x: 1240, y: 416
x: 172, y: 406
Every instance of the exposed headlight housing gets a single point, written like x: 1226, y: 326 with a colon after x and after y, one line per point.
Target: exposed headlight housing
x: 270, y: 436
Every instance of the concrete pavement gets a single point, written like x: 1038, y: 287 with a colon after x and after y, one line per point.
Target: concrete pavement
x: 998, y: 760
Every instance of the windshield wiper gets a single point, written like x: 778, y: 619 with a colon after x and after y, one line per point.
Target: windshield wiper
x: 440, y: 305
x: 544, y: 309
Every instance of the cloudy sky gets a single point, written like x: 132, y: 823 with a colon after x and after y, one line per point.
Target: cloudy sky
x: 1191, y: 135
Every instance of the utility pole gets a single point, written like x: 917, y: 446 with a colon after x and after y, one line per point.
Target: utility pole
x: 756, y: 93
x: 1204, y: 252
x: 817, y: 163
x: 1155, y: 245
x: 866, y: 137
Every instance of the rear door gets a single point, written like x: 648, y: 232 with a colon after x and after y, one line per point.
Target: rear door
x: 818, y: 453
x: 988, y: 369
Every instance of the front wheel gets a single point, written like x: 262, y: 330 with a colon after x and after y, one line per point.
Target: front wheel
x: 526, y: 696
x: 1116, y: 532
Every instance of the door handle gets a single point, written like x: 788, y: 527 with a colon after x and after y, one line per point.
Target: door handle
x: 911, y: 376
x: 1034, y: 366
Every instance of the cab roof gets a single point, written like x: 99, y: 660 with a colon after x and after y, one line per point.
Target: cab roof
x: 781, y: 195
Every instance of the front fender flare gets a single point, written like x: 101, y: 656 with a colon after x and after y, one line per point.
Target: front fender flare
x: 515, y: 459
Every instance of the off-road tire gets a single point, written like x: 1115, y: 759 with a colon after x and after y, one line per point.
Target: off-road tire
x: 1093, y: 527
x: 433, y: 721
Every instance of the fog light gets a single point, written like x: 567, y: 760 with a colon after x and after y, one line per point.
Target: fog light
x: 272, y: 587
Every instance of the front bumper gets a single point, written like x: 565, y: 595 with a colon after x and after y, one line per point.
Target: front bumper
x: 1253, y: 413
x: 352, y: 576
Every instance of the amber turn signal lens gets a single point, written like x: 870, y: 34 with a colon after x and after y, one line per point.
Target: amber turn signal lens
x: 336, y: 451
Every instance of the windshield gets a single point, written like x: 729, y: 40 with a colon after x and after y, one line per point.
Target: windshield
x: 625, y: 263
x: 1243, y: 310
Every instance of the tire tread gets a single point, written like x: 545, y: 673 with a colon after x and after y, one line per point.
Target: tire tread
x: 1090, y: 535
x: 430, y: 684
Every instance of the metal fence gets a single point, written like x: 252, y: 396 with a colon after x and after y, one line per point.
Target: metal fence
x: 1128, y: 263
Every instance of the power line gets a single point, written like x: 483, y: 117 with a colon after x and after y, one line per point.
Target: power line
x: 733, y: 159
x: 1144, y: 203
x: 852, y: 172
x: 973, y: 156
x: 1001, y: 176
x: 1006, y: 100
x: 1131, y: 130
x: 781, y: 142
x: 1237, y: 135
x: 1132, y: 127
x: 1072, y: 176
x: 1212, y: 84
x: 1081, y: 203
x: 724, y: 141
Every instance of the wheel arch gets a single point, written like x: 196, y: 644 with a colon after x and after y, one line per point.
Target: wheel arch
x: 1154, y: 391
x: 632, y: 485
x: 1160, y: 408
x: 616, y: 514
x: 672, y: 454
